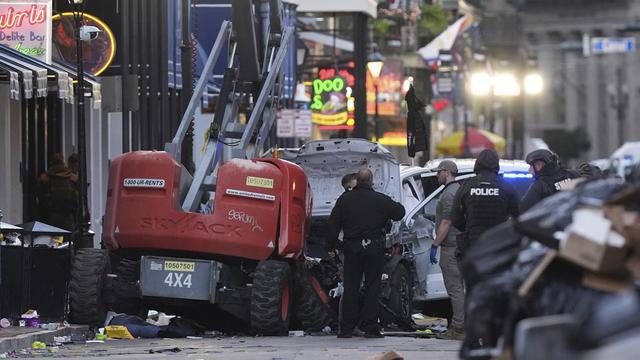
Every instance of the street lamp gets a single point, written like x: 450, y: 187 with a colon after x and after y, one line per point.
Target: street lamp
x: 533, y: 84
x: 374, y: 65
x: 84, y: 237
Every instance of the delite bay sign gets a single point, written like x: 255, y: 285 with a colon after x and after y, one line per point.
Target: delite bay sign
x: 26, y: 27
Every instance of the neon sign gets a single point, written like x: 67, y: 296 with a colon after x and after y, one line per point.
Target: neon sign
x: 325, y: 74
x: 98, y: 54
x: 12, y: 18
x: 329, y: 102
x: 25, y: 27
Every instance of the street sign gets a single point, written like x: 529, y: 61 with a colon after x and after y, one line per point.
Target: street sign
x: 609, y: 45
x: 294, y: 123
x: 303, y: 124
x: 285, y: 124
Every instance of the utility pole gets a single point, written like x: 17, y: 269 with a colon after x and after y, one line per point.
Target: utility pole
x: 621, y: 102
x: 187, y: 82
x: 360, y: 73
x: 84, y: 236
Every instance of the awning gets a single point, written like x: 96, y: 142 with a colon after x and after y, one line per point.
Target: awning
x: 14, y: 82
x: 39, y: 72
x: 42, y: 70
x: 96, y: 88
x: 368, y: 7
x: 61, y: 72
x: 327, y: 40
x: 27, y: 78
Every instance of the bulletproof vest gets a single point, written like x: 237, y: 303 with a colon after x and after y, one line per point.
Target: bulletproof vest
x: 552, y: 183
x: 486, y: 203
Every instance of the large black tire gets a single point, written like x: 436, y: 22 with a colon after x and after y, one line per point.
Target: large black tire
x: 124, y: 294
x: 400, y: 298
x: 87, y: 302
x: 271, y: 298
x: 312, y: 303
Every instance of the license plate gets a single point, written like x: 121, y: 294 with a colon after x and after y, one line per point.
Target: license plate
x: 179, y: 266
x: 179, y: 278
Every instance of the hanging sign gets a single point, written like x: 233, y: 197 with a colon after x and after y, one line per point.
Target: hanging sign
x: 303, y: 126
x: 26, y: 27
x: 285, y: 123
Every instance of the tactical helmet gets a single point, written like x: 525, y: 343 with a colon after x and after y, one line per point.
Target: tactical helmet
x: 542, y: 155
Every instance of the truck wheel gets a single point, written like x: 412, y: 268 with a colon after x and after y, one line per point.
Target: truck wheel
x: 89, y: 271
x: 124, y: 295
x: 400, y: 298
x: 312, y: 303
x: 271, y: 298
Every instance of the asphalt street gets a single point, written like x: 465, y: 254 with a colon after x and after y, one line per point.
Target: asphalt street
x: 269, y: 348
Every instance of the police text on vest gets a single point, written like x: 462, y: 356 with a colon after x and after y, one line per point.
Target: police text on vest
x: 485, y: 191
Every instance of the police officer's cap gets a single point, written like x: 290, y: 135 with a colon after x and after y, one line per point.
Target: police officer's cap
x: 541, y: 155
x: 448, y: 165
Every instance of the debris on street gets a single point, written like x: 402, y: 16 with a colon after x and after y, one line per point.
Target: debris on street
x: 574, y: 253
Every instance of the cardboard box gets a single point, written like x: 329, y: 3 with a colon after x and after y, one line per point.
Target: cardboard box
x: 627, y: 223
x: 633, y: 265
x: 592, y: 244
x: 605, y: 283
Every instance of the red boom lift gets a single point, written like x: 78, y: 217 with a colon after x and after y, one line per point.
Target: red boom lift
x: 240, y: 258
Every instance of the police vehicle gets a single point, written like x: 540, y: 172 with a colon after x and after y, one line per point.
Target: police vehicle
x: 416, y: 231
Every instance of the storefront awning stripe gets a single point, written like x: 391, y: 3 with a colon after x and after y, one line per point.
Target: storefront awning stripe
x: 40, y: 73
x: 63, y: 74
x: 27, y: 77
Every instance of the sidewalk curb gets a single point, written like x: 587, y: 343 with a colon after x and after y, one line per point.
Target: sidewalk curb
x: 24, y: 341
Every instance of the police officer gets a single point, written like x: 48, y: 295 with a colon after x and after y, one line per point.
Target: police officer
x: 446, y: 240
x: 549, y: 177
x: 483, y: 201
x: 362, y: 214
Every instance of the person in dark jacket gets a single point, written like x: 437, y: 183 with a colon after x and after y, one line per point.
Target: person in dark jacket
x: 362, y: 214
x: 549, y: 177
x: 483, y: 201
x: 349, y: 181
x: 589, y: 171
x: 58, y: 195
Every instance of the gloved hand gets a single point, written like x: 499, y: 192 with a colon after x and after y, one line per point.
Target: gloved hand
x: 434, y: 255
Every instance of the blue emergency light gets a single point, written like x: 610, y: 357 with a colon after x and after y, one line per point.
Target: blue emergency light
x: 514, y: 175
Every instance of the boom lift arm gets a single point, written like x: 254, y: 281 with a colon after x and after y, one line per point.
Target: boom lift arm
x: 243, y: 81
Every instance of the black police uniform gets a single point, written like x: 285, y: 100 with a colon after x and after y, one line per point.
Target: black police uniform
x: 362, y: 214
x: 546, y: 183
x: 483, y: 201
